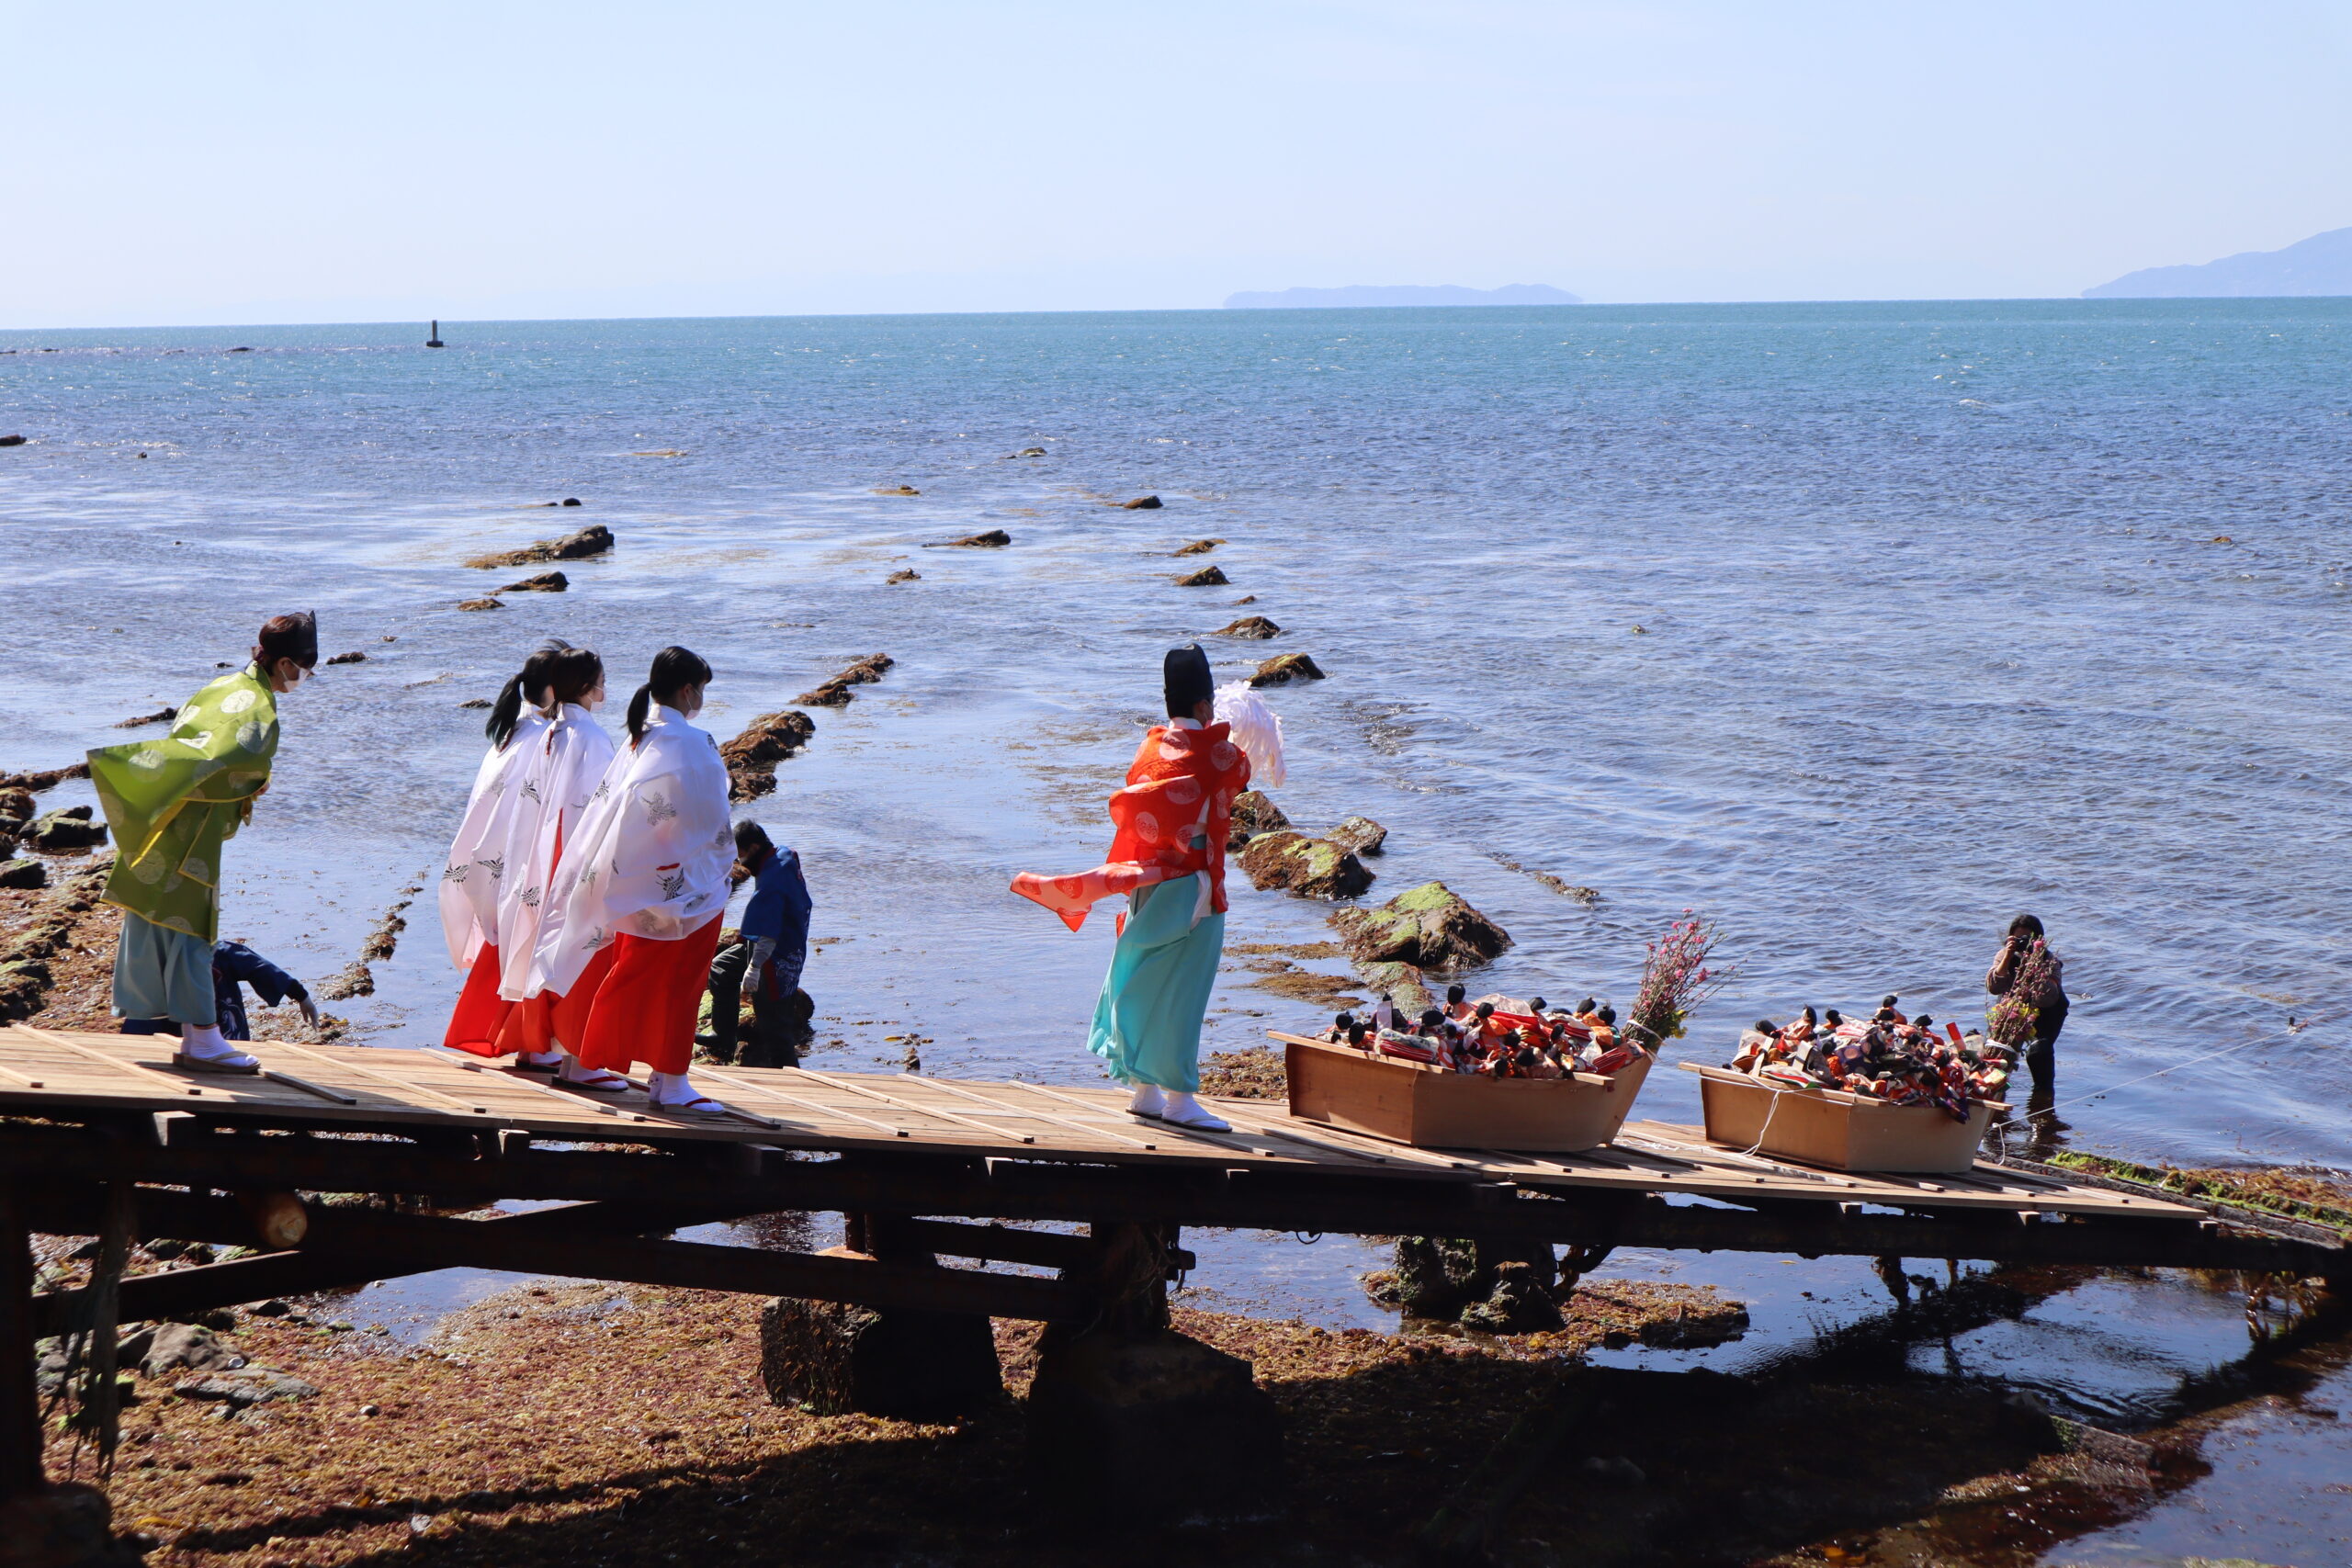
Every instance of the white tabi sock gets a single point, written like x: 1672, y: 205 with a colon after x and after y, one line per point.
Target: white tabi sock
x: 671, y: 1089
x: 544, y: 1058
x: 207, y: 1043
x: 1147, y: 1100
x: 1184, y: 1110
x: 573, y: 1072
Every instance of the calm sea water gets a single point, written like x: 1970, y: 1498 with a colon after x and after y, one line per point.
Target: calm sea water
x: 1858, y: 629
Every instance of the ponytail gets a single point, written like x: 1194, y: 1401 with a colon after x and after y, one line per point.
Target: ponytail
x: 674, y: 669
x: 527, y: 685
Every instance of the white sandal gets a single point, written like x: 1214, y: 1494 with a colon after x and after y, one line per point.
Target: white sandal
x: 603, y: 1083
x: 700, y: 1105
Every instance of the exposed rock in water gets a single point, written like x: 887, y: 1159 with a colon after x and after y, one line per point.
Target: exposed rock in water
x: 16, y: 804
x: 1312, y: 868
x: 1429, y: 927
x: 1687, y: 1330
x: 357, y: 657
x: 1518, y: 1303
x: 546, y: 582
x: 994, y: 539
x: 834, y: 694
x: 352, y: 980
x: 1141, y: 503
x: 572, y: 500
x: 1253, y: 813
x: 1284, y: 668
x: 481, y: 604
x: 1497, y: 1288
x: 752, y: 756
x: 904, y: 574
x: 11, y: 441
x: 1199, y: 547
x: 1401, y: 984
x: 897, y: 490
x: 1245, y: 599
x: 477, y: 702
x: 1208, y: 576
x: 46, y: 779
x: 69, y: 828
x: 1027, y: 452
x: 1257, y: 629
x: 594, y: 540
x: 161, y: 715
x: 1361, y: 834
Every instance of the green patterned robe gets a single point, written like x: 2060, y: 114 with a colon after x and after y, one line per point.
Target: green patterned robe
x: 173, y: 803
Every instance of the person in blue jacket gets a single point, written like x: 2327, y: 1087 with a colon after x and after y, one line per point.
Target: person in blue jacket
x: 235, y: 967
x: 773, y: 951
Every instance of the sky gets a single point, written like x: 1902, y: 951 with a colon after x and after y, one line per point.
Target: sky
x: 250, y: 163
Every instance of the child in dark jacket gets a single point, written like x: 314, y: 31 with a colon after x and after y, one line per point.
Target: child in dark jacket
x: 234, y: 966
x: 772, y: 953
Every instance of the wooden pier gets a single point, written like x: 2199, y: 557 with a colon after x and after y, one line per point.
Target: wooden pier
x: 101, y: 1129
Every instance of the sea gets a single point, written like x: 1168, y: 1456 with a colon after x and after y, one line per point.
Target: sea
x: 1856, y: 630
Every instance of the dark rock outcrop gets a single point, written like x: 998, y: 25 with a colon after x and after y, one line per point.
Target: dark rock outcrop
x: 351, y: 658
x: 1428, y: 926
x: 247, y: 1385
x: 1253, y: 813
x: 1141, y: 503
x: 11, y: 441
x: 1312, y: 868
x: 161, y: 715
x: 572, y: 500
x: 594, y: 540
x: 16, y: 805
x: 1198, y: 547
x: 48, y: 778
x: 493, y: 604
x: 1361, y: 834
x: 904, y: 574
x: 186, y: 1345
x: 1208, y: 576
x: 65, y: 829
x: 1284, y: 668
x: 1257, y: 629
x: 752, y: 756
x: 1401, y: 984
x: 897, y: 490
x: 836, y: 692
x: 477, y: 702
x: 546, y: 582
x: 1027, y: 452
x: 1124, y: 1425
x: 65, y: 1525
x: 993, y: 539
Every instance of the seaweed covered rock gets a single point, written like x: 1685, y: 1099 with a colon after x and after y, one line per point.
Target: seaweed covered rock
x: 1253, y: 814
x: 916, y: 1365
x: 1428, y: 926
x: 991, y: 539
x: 1284, y: 668
x: 1402, y: 984
x: 1198, y: 547
x: 1255, y: 628
x: 68, y: 828
x: 594, y: 540
x: 1498, y: 1288
x: 545, y: 582
x: 1312, y: 868
x: 1142, y: 503
x: 1518, y: 1303
x: 1361, y: 834
x: 1208, y: 576
x: 752, y: 757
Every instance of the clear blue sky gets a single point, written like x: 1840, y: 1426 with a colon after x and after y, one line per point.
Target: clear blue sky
x: 347, y: 160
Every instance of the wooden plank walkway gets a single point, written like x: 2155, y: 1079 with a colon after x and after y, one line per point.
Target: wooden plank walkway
x: 78, y: 1076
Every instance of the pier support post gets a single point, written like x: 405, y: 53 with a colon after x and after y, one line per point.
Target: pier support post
x: 1129, y: 1420
x: 896, y: 1361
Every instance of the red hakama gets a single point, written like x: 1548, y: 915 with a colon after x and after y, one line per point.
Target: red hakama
x: 568, y: 1014
x: 646, y: 1007
x: 482, y: 1012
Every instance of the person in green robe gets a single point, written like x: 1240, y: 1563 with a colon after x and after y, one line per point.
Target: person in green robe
x: 172, y: 805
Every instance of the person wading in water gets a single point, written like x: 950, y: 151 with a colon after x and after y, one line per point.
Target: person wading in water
x: 2029, y: 1001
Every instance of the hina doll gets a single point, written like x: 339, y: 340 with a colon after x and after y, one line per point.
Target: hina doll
x: 172, y: 805
x: 473, y: 878
x: 632, y: 915
x: 1167, y: 857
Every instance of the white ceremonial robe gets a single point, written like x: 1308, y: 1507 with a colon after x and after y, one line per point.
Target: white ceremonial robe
x: 557, y: 782
x: 654, y: 846
x: 476, y: 866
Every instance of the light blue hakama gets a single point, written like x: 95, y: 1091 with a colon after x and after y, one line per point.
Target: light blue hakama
x: 1147, y: 1022
x: 161, y: 973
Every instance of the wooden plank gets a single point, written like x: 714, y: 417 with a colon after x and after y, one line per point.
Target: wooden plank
x: 856, y: 1088
x: 727, y: 1081
x: 179, y: 1085
x: 1080, y: 1127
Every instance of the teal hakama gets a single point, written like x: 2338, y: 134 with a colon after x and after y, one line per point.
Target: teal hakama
x: 1147, y: 1021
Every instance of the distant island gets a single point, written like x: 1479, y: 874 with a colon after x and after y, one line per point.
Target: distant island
x: 2320, y: 265
x: 1362, y: 295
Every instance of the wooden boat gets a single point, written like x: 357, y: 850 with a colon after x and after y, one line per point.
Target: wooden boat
x: 1429, y: 1108
x: 1833, y: 1128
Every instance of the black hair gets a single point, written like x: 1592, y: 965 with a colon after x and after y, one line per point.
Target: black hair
x: 750, y: 838
x: 2025, y: 925
x: 1455, y: 992
x: 1186, y: 680
x: 1535, y: 1005
x: 1486, y: 1009
x: 294, y: 637
x: 524, y: 685
x: 1888, y: 999
x: 1607, y: 1015
x: 674, y: 669
x: 1432, y: 1018
x: 571, y: 675
x: 1586, y: 1005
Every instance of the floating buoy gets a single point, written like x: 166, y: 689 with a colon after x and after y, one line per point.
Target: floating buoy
x: 433, y: 339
